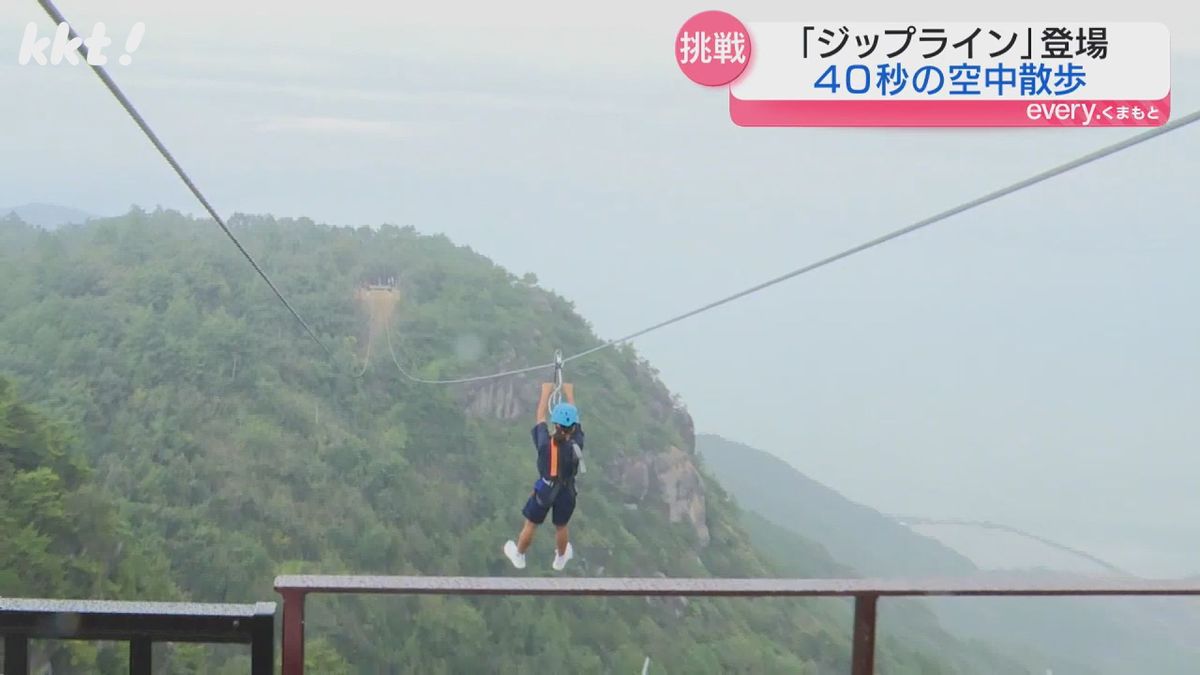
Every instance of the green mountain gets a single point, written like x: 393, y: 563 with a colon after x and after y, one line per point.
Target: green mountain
x: 861, y: 537
x: 1109, y: 636
x: 900, y: 621
x: 61, y: 535
x: 236, y: 449
x: 46, y: 216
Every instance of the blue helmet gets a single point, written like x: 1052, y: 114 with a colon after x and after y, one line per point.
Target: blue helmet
x: 564, y: 415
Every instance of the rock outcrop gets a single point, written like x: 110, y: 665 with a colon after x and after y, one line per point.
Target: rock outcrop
x: 503, y: 399
x: 668, y: 481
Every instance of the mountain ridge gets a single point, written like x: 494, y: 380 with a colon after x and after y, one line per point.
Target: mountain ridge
x: 1104, y: 636
x: 46, y: 216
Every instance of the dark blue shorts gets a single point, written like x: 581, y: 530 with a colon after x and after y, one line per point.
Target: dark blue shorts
x: 563, y: 507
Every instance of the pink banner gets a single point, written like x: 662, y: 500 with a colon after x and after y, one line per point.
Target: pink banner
x: 953, y: 113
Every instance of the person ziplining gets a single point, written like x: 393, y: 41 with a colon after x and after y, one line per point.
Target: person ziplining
x: 559, y: 447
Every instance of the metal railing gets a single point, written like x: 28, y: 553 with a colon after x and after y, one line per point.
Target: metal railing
x: 866, y: 594
x: 140, y: 623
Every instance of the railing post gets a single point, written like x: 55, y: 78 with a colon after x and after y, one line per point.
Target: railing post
x: 862, y: 659
x: 293, y: 631
x: 140, y: 650
x: 16, y: 655
x: 262, y: 645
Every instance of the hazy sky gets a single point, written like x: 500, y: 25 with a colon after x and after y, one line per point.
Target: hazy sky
x: 1032, y: 362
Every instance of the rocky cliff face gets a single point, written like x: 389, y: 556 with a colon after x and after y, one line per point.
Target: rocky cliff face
x: 505, y: 399
x: 667, y: 480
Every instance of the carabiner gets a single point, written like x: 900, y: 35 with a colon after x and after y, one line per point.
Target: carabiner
x: 556, y: 393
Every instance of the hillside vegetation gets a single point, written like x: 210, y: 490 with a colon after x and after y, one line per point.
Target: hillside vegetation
x: 231, y: 448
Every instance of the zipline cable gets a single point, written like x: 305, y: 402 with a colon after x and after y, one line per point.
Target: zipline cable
x: 1000, y: 527
x: 461, y: 380
x: 58, y: 19
x: 896, y: 234
x: 1177, y: 123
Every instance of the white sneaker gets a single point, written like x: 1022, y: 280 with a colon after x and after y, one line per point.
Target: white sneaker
x: 516, y: 557
x: 560, y: 561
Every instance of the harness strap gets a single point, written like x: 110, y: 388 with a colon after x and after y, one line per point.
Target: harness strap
x: 553, y: 458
